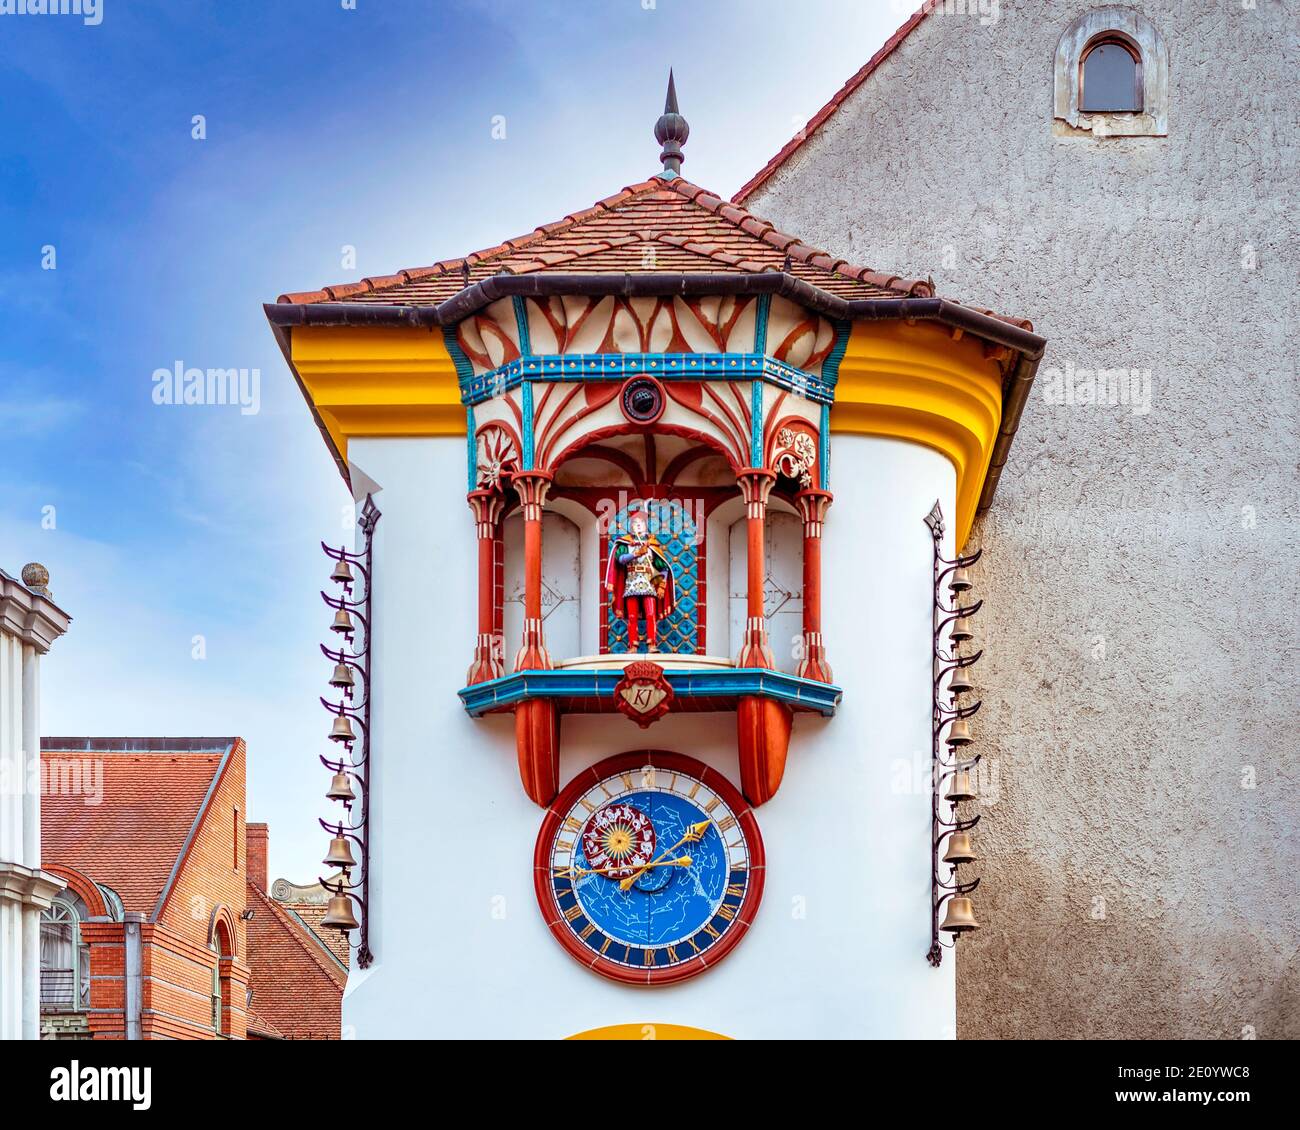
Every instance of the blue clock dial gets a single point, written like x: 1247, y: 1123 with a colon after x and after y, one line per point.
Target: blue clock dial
x: 651, y: 871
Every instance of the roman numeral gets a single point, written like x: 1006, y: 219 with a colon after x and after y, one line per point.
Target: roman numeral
x: 712, y: 805
x: 727, y: 912
x: 573, y: 824
x: 726, y: 823
x: 575, y: 911
x: 587, y: 931
x: 735, y: 891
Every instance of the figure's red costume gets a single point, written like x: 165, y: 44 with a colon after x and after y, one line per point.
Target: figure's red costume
x: 630, y: 570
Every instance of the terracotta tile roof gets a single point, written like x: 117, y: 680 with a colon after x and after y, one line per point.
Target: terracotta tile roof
x: 819, y: 119
x: 260, y: 1026
x: 658, y: 225
x: 132, y: 839
x: 297, y: 982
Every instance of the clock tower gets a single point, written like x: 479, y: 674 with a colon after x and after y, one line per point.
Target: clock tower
x: 651, y: 700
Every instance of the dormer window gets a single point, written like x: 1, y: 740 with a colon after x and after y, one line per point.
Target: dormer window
x: 1110, y: 77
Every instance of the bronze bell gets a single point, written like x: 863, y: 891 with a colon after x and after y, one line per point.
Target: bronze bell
x: 958, y: 918
x: 342, y: 676
x: 340, y: 854
x: 960, y: 683
x: 960, y: 632
x: 342, y: 573
x: 960, y: 579
x: 342, y: 731
x: 342, y: 623
x: 959, y: 734
x: 338, y: 915
x: 341, y: 788
x: 959, y: 849
x: 961, y: 787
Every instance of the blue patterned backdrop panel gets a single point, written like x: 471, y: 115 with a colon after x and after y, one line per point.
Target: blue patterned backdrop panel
x: 672, y: 524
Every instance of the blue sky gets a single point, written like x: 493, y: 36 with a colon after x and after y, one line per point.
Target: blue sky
x: 326, y: 127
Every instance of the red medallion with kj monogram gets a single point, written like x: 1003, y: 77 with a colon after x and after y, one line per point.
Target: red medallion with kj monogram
x: 649, y: 867
x: 643, y: 693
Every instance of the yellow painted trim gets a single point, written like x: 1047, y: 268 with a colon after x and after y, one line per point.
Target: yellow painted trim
x: 378, y: 381
x: 917, y: 383
x: 648, y: 1032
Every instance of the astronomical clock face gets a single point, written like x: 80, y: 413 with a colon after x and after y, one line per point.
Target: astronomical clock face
x: 649, y: 867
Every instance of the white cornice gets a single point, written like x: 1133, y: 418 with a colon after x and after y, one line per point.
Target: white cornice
x: 27, y: 886
x: 33, y: 618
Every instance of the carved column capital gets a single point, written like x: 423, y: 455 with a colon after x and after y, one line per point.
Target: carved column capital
x: 533, y: 486
x: 813, y: 505
x: 755, y: 485
x: 487, y: 506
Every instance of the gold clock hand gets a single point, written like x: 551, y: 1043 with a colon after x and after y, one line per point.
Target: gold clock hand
x: 694, y: 833
x: 680, y: 861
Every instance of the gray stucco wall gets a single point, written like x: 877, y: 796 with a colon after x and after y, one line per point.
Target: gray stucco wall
x: 1141, y: 626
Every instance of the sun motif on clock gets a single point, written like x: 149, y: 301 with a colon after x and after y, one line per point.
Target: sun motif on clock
x: 649, y: 867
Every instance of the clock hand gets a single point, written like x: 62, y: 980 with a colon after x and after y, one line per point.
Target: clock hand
x: 694, y: 833
x: 680, y: 861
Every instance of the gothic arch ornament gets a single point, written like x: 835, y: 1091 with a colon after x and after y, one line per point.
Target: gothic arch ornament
x: 222, y: 916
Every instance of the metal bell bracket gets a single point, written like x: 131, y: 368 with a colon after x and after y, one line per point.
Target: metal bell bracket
x: 359, y: 712
x: 347, y: 831
x: 944, y: 663
x: 353, y: 770
x: 951, y: 768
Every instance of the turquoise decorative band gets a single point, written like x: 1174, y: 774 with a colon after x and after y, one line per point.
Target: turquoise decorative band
x: 617, y: 366
x: 593, y: 690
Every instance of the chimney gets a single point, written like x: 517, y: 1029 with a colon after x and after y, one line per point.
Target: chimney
x: 255, y: 840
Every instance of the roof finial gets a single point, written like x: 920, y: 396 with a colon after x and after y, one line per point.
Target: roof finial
x: 671, y: 131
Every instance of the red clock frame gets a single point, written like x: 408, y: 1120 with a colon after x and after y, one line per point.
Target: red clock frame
x: 554, y: 820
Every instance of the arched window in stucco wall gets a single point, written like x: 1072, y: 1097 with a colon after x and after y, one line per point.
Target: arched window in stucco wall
x: 1112, y: 76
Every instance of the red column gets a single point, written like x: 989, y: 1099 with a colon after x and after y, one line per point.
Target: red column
x: 812, y: 507
x: 755, y: 485
x: 487, y: 506
x: 532, y: 487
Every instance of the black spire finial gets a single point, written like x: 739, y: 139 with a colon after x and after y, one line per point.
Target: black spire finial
x: 671, y: 131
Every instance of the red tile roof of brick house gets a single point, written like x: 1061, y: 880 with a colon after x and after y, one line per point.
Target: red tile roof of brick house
x: 151, y: 798
x: 161, y: 823
x: 297, y: 981
x: 818, y: 120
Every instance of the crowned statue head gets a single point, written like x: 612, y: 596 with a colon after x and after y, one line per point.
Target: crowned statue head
x: 637, y: 523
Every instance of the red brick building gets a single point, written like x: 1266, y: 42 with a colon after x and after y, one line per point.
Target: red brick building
x: 153, y: 938
x: 297, y: 975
